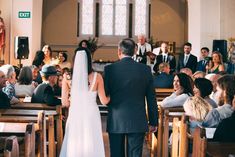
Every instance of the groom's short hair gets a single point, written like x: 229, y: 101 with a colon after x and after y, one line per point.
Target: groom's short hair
x: 127, y: 46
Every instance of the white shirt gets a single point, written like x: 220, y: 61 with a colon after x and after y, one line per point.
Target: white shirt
x: 186, y: 57
x: 164, y: 56
x: 144, y: 47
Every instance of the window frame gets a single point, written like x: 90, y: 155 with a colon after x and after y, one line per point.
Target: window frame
x: 111, y: 40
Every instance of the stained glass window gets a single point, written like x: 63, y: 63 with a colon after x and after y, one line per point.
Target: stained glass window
x: 87, y: 17
x: 140, y: 17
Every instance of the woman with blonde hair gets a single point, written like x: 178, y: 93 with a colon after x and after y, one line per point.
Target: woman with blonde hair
x: 197, y: 109
x: 216, y: 64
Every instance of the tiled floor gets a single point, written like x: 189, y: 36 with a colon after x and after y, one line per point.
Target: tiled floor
x: 106, y: 141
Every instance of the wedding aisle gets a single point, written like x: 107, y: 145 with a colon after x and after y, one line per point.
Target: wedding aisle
x: 106, y: 140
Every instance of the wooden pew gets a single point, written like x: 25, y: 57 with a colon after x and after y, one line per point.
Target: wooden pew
x: 180, y: 137
x: 50, y: 114
x: 39, y: 124
x: 161, y: 93
x: 166, y: 115
x: 58, y: 118
x: 11, y: 147
x: 202, y: 147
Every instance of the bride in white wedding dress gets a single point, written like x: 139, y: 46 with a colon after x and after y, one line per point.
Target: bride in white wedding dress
x: 83, y: 134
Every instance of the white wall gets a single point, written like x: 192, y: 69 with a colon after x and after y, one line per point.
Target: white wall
x: 30, y: 27
x: 209, y: 20
x: 15, y: 26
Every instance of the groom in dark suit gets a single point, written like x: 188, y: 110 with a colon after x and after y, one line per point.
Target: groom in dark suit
x: 187, y: 60
x: 129, y: 84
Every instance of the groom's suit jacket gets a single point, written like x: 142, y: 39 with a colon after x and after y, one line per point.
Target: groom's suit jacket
x: 128, y: 83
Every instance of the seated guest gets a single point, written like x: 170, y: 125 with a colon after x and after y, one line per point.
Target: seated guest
x: 10, y: 75
x: 5, y: 101
x: 63, y: 60
x: 58, y: 86
x: 25, y: 86
x: 36, y: 75
x: 197, y: 109
x: 213, y: 78
x: 187, y: 71
x: 203, y: 88
x: 183, y: 86
x: 163, y: 79
x: 44, y: 92
x: 225, y: 131
x: 199, y: 74
x: 226, y: 89
x: 38, y: 61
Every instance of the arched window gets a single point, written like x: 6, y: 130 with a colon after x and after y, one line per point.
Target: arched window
x: 111, y: 20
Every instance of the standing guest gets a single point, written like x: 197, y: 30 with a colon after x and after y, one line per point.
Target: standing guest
x: 203, y: 88
x: 143, y: 50
x: 187, y: 60
x: 226, y: 90
x: 183, y: 86
x: 163, y: 79
x: 165, y: 57
x: 84, y: 44
x: 10, y: 75
x: 63, y: 61
x: 216, y: 65
x: 201, y: 65
x: 129, y: 85
x: 225, y: 130
x: 5, y: 101
x: 66, y: 88
x: 47, y: 54
x: 25, y: 85
x: 44, y: 92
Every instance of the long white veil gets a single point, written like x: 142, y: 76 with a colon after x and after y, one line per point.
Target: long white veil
x: 79, y: 87
x: 79, y: 98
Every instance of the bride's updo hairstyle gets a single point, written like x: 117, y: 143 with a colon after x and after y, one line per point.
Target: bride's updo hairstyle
x: 89, y: 60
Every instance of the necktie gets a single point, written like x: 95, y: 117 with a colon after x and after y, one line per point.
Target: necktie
x: 204, y: 62
x: 185, y: 60
x: 164, y: 58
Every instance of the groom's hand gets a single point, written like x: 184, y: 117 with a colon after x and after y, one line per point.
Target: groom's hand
x: 152, y: 128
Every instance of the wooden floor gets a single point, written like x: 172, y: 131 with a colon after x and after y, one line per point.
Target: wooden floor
x: 146, y: 152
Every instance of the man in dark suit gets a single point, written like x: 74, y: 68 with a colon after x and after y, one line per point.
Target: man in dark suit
x: 163, y: 79
x: 129, y: 83
x: 201, y: 65
x: 187, y: 60
x: 164, y: 56
x: 44, y: 92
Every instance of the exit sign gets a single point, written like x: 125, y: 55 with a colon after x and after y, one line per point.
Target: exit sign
x: 24, y: 14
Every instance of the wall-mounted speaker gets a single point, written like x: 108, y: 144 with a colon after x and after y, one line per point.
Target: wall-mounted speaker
x: 221, y: 46
x: 21, y: 47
